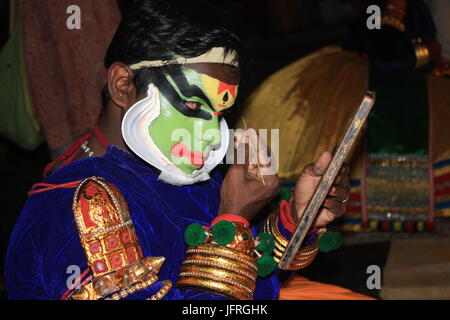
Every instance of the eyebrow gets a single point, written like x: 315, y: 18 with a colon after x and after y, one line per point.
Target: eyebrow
x: 225, y: 73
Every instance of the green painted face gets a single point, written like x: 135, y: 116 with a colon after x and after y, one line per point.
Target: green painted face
x: 188, y: 125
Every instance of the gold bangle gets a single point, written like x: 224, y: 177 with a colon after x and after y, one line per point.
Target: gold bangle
x: 216, y: 250
x: 221, y: 262
x: 220, y: 265
x: 216, y: 286
x: 226, y: 276
x: 303, y: 257
x: 220, y: 270
x: 273, y: 230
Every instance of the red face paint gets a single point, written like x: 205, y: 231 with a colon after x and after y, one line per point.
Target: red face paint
x: 182, y: 151
x: 225, y: 86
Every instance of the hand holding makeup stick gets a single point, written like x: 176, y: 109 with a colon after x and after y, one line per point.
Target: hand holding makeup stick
x: 250, y: 182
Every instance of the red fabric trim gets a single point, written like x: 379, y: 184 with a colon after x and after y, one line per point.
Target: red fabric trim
x: 69, y: 155
x: 231, y: 218
x: 442, y: 192
x: 353, y: 209
x: 443, y: 178
x: 286, y: 216
x: 69, y: 292
x: 355, y: 197
x: 48, y: 187
x: 100, y: 136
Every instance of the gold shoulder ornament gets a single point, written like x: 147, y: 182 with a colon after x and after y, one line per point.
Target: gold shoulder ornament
x: 110, y: 245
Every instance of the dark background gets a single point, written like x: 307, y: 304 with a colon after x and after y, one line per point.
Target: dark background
x: 276, y: 33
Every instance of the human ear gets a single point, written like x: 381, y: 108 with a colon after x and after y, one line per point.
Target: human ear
x: 121, y: 86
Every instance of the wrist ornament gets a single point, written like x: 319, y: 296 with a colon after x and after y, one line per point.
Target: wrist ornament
x: 225, y: 259
x: 317, y: 239
x: 304, y: 256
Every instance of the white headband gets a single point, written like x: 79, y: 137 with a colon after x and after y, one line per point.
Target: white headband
x: 215, y: 55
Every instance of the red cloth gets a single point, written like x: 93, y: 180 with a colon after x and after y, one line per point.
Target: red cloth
x: 65, y: 67
x: 286, y: 215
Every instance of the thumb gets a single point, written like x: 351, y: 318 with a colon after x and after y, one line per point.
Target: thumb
x: 318, y: 168
x: 309, y: 179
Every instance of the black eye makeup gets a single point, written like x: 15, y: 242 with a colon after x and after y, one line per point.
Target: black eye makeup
x: 188, y: 108
x: 188, y: 90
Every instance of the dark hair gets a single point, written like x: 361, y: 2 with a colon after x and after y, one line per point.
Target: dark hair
x: 164, y: 29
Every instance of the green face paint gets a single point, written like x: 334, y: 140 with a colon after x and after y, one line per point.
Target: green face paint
x: 188, y: 125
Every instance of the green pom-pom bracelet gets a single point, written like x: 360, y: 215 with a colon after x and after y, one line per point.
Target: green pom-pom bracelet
x: 266, y: 243
x: 266, y: 265
x: 223, y: 232
x: 330, y: 241
x: 285, y: 194
x: 194, y: 235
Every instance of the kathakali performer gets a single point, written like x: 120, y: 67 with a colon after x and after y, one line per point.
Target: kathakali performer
x: 137, y: 205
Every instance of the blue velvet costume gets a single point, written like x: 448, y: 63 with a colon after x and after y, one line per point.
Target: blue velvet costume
x: 45, y: 240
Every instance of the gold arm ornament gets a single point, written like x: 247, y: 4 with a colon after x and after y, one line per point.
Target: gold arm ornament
x: 110, y: 244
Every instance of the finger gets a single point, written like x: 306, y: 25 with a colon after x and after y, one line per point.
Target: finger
x: 238, y: 136
x: 256, y: 153
x: 261, y: 153
x: 324, y: 218
x: 253, y: 170
x: 241, y: 156
x: 318, y: 168
x: 342, y: 180
x: 336, y: 207
x: 253, y: 145
x: 345, y: 169
x: 339, y: 192
x: 261, y: 148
